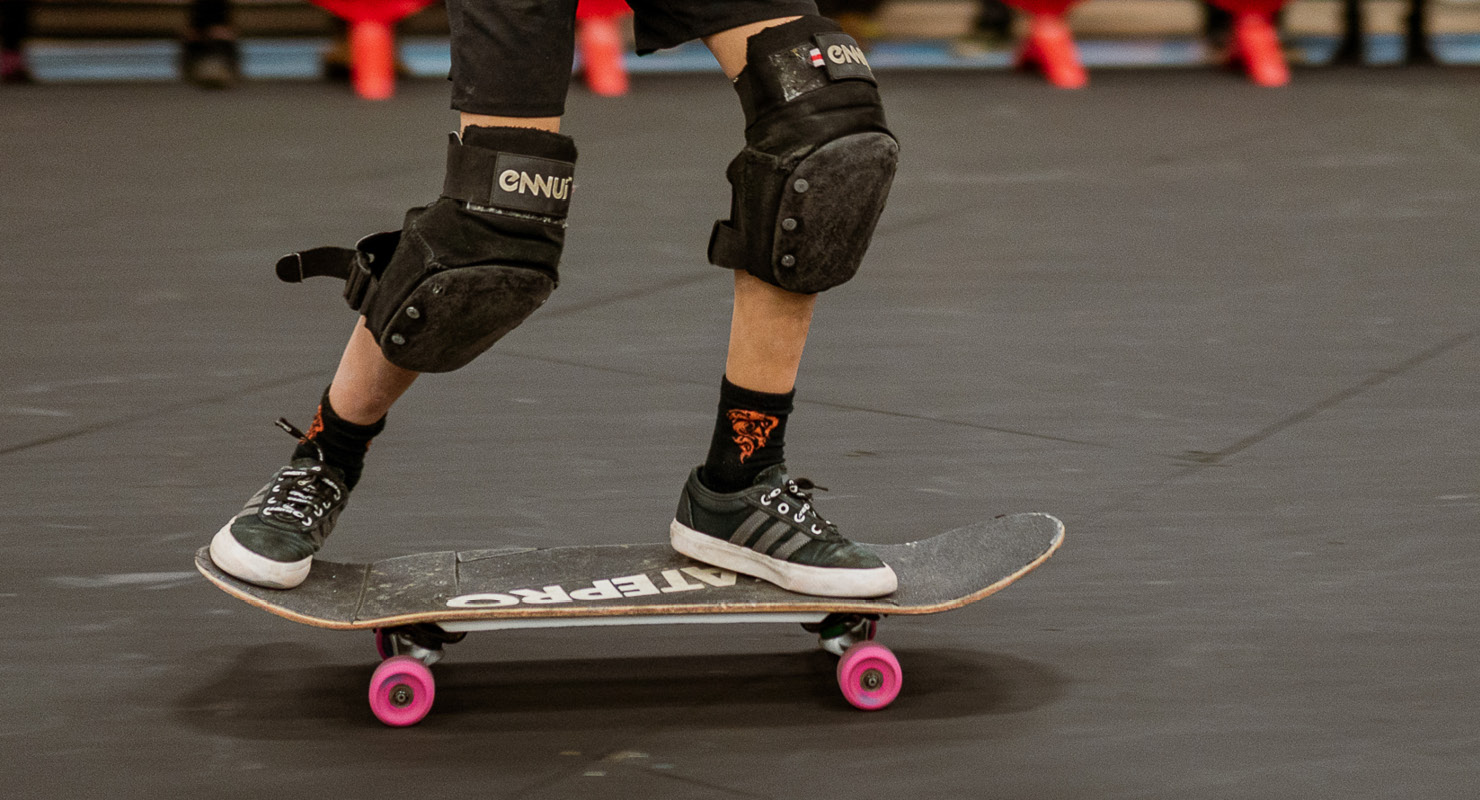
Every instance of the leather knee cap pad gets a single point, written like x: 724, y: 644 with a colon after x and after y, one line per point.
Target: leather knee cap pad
x: 808, y: 188
x: 467, y: 269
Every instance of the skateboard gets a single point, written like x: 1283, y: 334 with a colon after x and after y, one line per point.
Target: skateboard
x: 418, y: 604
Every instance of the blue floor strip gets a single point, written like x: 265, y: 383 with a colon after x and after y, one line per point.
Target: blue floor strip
x: 298, y: 59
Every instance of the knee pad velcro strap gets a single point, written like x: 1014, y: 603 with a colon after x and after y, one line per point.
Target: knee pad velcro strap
x: 808, y: 188
x: 469, y: 268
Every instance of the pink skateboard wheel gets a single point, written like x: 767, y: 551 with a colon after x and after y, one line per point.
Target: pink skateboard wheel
x: 401, y: 691
x: 869, y: 676
x: 383, y: 644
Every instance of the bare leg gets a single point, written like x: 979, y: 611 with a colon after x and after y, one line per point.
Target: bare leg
x: 767, y: 333
x: 769, y: 328
x: 728, y: 46
x: 551, y: 124
x: 366, y: 385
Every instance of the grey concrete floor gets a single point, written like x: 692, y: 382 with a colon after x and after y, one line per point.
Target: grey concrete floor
x: 1229, y: 335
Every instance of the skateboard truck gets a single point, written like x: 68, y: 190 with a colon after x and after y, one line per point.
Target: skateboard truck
x: 838, y: 632
x: 422, y: 641
x: 868, y: 672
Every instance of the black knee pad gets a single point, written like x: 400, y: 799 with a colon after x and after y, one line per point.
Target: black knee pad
x: 808, y: 188
x: 468, y: 268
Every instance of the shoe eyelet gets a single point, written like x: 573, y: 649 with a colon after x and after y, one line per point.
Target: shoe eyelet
x: 783, y: 508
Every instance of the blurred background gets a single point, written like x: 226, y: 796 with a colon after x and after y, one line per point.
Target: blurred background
x: 215, y: 43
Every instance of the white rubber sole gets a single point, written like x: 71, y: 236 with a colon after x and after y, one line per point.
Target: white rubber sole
x: 238, y: 561
x: 820, y: 581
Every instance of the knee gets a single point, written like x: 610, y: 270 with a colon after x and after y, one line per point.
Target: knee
x: 472, y: 266
x: 812, y: 180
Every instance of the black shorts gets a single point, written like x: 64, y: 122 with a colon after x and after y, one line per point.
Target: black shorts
x: 512, y: 58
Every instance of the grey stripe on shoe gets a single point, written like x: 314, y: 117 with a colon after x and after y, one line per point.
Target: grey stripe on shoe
x: 772, y: 535
x: 747, y: 528
x: 787, y: 548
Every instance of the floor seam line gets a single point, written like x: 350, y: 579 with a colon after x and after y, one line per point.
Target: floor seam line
x: 152, y: 412
x: 805, y: 402
x: 1375, y: 379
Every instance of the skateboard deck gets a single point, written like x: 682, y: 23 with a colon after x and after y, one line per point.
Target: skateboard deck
x: 941, y: 573
x: 454, y: 592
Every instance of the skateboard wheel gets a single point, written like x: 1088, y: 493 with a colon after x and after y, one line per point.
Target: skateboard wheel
x: 401, y: 691
x: 869, y: 676
x: 383, y: 644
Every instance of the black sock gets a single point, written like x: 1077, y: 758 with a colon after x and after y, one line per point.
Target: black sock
x: 342, y: 443
x: 749, y: 437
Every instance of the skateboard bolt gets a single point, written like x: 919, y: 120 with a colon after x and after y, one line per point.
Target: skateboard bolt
x: 402, y: 696
x: 871, y: 679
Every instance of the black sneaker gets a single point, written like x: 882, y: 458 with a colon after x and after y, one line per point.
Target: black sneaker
x: 771, y: 531
x: 273, y: 540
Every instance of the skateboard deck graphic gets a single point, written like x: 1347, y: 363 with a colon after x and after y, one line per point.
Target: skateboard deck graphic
x: 416, y: 603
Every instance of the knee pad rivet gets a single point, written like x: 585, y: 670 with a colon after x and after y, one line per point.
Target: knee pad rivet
x: 801, y: 185
x: 788, y: 224
x: 413, y: 313
x: 397, y: 338
x: 788, y: 261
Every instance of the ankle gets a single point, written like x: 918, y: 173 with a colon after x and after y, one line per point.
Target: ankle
x: 749, y: 437
x: 338, y: 442
x: 364, y: 411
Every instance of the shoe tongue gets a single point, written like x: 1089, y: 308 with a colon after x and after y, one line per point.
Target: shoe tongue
x: 310, y: 463
x: 773, y: 476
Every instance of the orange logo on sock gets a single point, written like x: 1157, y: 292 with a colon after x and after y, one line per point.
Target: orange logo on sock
x: 752, y: 430
x: 316, y: 428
